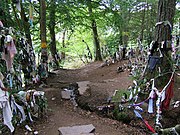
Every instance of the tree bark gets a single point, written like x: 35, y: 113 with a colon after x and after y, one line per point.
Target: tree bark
x: 95, y: 34
x: 150, y: 23
x: 166, y: 12
x: 26, y: 25
x: 43, y: 23
x: 88, y: 49
x: 163, y: 31
x: 44, y: 56
x: 52, y: 24
x: 16, y: 17
x: 143, y: 23
x: 63, y: 55
x: 96, y: 42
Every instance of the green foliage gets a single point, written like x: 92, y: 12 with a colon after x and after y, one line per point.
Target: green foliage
x: 123, y: 116
x: 112, y: 43
x: 114, y: 18
x: 119, y: 94
x: 6, y: 14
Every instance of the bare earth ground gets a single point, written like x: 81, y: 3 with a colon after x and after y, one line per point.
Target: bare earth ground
x: 103, y: 82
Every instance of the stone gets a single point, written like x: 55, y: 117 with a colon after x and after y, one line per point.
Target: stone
x: 77, y: 130
x: 83, y: 87
x: 65, y: 94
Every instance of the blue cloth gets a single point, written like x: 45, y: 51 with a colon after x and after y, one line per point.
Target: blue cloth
x: 153, y: 61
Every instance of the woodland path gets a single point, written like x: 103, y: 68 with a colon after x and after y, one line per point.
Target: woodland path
x: 103, y: 82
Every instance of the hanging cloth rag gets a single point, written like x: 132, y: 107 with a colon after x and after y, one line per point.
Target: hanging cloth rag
x: 168, y: 95
x: 161, y: 99
x: 141, y: 103
x: 15, y: 106
x: 7, y: 116
x: 145, y: 121
x: 173, y: 47
x: 1, y: 24
x: 150, y: 106
x: 9, y: 52
x: 24, y: 96
x: 18, y: 6
x: 149, y: 126
x: 4, y: 104
x: 153, y: 61
x: 151, y: 97
x: 2, y: 92
x: 154, y: 45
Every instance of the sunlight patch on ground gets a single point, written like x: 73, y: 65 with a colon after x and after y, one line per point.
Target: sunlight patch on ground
x: 73, y: 64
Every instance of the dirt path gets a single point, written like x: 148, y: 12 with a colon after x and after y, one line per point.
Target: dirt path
x: 103, y: 81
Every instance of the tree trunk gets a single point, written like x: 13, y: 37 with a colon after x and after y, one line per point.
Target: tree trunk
x: 166, y: 12
x: 120, y: 38
x: 16, y: 17
x: 143, y: 24
x: 95, y: 34
x: 163, y: 31
x: 125, y: 29
x: 88, y: 49
x: 125, y: 39
x: 150, y: 23
x: 63, y: 55
x: 52, y: 24
x: 43, y: 69
x: 26, y: 25
x: 96, y: 42
x: 43, y: 23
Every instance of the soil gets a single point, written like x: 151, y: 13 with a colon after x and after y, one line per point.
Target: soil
x: 103, y: 82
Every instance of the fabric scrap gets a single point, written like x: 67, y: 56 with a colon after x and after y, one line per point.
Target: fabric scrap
x: 150, y: 106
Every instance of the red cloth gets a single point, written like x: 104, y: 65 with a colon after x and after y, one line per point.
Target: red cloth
x: 169, y: 94
x: 149, y: 127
